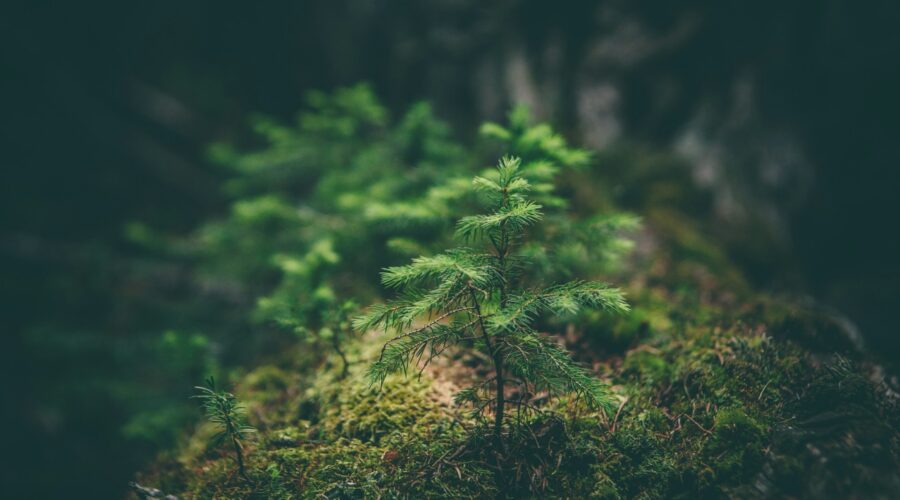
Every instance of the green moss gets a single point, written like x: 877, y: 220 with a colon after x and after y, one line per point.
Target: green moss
x: 360, y: 442
x: 357, y: 410
x: 268, y: 379
x: 639, y: 463
x: 647, y: 367
x: 721, y: 400
x: 618, y: 333
x: 734, y: 451
x: 605, y: 488
x: 653, y: 419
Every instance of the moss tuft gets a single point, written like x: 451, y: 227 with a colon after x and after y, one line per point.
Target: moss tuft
x: 648, y: 367
x: 734, y: 451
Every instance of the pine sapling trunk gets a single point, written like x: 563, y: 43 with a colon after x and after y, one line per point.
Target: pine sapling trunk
x: 501, y: 400
x: 502, y: 249
x: 497, y: 359
x: 345, y: 367
x: 239, y: 455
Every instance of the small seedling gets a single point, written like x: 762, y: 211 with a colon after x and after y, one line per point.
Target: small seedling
x: 338, y: 330
x: 223, y: 409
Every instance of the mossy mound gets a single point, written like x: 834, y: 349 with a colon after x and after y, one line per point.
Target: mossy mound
x: 340, y: 439
x: 723, y: 393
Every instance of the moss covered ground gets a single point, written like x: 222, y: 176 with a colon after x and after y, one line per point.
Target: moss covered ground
x: 723, y: 392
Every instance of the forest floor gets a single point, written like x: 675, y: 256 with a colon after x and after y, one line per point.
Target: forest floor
x: 722, y: 391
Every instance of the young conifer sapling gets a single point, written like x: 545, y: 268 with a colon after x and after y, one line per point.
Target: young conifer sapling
x: 223, y: 409
x: 338, y: 330
x: 479, y: 298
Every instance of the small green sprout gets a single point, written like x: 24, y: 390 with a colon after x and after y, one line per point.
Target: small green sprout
x: 223, y: 409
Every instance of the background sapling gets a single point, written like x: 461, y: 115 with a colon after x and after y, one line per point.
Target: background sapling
x: 223, y: 409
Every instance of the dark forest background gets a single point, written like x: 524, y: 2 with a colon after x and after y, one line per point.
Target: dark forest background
x: 785, y: 112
